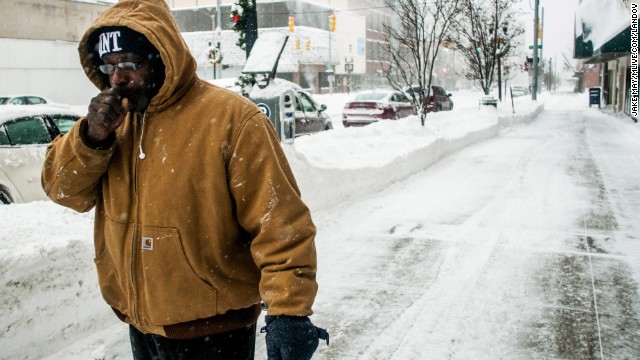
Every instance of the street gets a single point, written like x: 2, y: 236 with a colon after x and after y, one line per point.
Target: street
x: 525, y: 246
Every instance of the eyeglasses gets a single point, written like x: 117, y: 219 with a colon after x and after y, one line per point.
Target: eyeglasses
x: 127, y: 67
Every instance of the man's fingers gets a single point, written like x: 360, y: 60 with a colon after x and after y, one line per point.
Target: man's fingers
x: 125, y: 105
x: 106, y: 113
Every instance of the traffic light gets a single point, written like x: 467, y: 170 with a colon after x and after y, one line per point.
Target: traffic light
x: 292, y: 23
x: 307, y: 45
x: 539, y: 31
x: 332, y: 22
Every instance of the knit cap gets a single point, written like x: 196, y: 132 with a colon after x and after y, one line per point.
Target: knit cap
x: 119, y: 39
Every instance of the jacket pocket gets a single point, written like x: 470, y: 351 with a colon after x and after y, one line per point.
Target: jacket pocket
x: 112, y: 264
x: 170, y: 290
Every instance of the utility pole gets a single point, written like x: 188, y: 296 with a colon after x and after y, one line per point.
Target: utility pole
x: 218, y: 33
x: 534, y: 90
x: 542, y: 33
x: 500, y: 79
x: 330, y: 68
x: 252, y: 28
x: 213, y: 53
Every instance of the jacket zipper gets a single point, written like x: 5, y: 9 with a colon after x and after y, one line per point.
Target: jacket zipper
x: 134, y: 283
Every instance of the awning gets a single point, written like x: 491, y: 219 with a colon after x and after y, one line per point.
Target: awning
x: 617, y: 47
x: 620, y: 43
x: 606, y: 26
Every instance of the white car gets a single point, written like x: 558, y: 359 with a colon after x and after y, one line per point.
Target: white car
x: 25, y: 132
x: 519, y: 90
x: 27, y: 99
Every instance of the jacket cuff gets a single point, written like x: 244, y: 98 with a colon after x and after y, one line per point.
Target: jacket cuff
x: 100, y: 145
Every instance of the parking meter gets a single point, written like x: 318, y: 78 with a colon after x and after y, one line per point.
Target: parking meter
x: 278, y: 104
x: 288, y: 107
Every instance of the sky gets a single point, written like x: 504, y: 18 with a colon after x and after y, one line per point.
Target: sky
x: 51, y: 307
x: 558, y: 26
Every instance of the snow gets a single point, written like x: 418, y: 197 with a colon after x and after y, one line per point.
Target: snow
x: 604, y: 18
x: 51, y: 308
x: 267, y: 51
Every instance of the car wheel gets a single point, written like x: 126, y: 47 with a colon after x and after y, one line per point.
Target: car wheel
x: 328, y: 126
x: 5, y: 198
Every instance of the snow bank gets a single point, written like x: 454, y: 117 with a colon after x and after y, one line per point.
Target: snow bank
x: 49, y: 291
x: 347, y: 163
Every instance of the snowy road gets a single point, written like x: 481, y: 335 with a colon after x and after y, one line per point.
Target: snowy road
x: 525, y: 246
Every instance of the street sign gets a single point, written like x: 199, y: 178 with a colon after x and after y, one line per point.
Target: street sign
x: 348, y: 67
x: 531, y: 47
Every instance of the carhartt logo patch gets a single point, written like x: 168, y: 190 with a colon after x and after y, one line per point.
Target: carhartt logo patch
x: 109, y: 42
x: 147, y: 243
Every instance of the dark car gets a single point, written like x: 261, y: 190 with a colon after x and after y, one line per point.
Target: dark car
x: 439, y: 99
x: 310, y: 117
x: 374, y: 105
x: 25, y: 133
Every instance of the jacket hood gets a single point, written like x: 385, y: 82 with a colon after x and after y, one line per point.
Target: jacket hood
x: 154, y: 20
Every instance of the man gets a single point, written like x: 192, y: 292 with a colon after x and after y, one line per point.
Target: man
x: 197, y: 214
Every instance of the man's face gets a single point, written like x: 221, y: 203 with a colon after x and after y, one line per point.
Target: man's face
x: 138, y: 85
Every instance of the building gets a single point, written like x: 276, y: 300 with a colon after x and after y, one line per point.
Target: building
x: 352, y: 51
x: 312, y: 55
x: 603, y: 38
x: 38, y: 43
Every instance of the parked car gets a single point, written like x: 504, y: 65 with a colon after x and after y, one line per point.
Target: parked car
x: 519, y: 90
x: 24, y: 99
x: 374, y: 105
x: 310, y: 116
x: 439, y: 99
x: 25, y: 132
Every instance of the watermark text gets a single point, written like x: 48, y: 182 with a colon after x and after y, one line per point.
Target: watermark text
x: 634, y: 60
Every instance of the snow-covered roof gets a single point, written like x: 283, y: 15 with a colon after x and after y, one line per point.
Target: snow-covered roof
x: 602, y: 19
x: 265, y: 53
x: 318, y: 52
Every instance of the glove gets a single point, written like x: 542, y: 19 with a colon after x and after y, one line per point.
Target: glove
x: 292, y: 337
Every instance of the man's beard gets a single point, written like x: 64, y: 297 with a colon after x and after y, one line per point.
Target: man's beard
x: 140, y: 96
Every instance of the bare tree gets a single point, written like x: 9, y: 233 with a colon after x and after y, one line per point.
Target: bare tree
x: 485, y: 32
x: 414, y: 36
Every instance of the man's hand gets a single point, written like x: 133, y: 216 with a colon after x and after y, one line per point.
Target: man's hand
x: 292, y: 337
x: 106, y: 112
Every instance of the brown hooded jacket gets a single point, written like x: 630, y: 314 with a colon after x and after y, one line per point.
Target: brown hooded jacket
x: 209, y: 222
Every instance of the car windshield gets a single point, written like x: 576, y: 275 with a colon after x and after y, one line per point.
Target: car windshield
x: 64, y: 122
x: 3, y: 100
x: 370, y: 96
